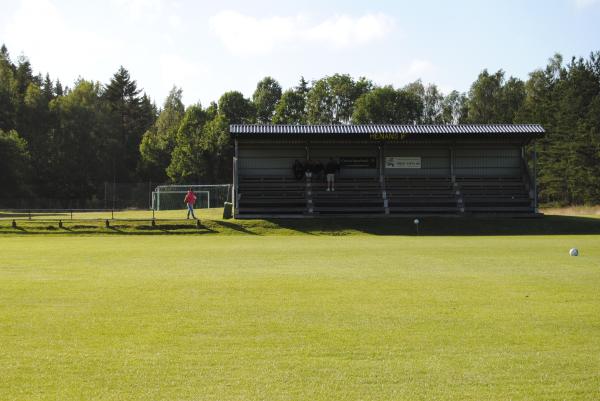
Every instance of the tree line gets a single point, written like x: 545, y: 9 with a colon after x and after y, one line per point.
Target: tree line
x: 60, y: 142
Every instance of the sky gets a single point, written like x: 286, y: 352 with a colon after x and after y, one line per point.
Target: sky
x: 208, y: 48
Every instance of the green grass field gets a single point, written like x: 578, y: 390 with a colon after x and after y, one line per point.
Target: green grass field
x: 299, y: 317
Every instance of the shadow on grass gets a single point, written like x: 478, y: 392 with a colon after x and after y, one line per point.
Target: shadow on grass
x: 234, y: 226
x: 173, y: 228
x: 34, y: 215
x: 447, y: 226
x: 341, y: 226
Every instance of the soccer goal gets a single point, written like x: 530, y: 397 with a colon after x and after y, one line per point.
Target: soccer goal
x: 170, y: 197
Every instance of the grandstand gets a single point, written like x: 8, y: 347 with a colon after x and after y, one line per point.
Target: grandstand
x: 386, y: 170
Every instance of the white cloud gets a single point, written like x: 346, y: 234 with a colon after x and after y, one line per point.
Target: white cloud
x: 38, y: 29
x: 243, y: 34
x: 138, y: 10
x: 586, y: 3
x: 175, y: 22
x: 149, y: 12
x: 418, y: 69
x: 186, y: 74
x: 344, y: 31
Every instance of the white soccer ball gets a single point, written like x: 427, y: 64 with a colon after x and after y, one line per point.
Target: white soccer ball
x: 416, y: 221
x: 574, y: 252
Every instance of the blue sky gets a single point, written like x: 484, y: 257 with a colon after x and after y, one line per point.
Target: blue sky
x: 208, y: 48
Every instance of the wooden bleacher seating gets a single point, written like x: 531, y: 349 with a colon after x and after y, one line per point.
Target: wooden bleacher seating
x: 351, y: 195
x: 404, y: 195
x: 420, y: 195
x: 271, y: 195
x: 495, y: 194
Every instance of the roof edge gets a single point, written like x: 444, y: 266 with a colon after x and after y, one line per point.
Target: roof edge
x: 367, y: 129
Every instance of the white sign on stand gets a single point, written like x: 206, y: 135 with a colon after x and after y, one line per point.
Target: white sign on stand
x: 402, y: 162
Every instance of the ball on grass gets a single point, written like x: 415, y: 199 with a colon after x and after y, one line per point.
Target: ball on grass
x: 574, y: 252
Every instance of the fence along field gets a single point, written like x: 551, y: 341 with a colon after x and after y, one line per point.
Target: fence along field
x: 139, y: 201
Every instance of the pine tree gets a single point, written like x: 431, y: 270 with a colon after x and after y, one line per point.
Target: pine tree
x: 130, y: 116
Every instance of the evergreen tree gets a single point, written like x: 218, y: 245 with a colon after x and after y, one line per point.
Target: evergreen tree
x: 76, y: 157
x: 48, y: 88
x: 58, y: 89
x: 131, y: 116
x: 8, y: 92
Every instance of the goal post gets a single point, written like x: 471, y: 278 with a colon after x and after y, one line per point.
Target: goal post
x: 170, y: 197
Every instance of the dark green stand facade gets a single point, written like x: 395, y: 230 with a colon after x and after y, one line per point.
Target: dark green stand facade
x: 385, y: 170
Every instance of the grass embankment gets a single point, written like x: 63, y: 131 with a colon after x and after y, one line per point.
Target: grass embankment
x: 299, y: 318
x: 573, y: 211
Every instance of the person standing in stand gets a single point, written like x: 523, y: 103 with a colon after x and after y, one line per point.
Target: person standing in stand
x: 190, y: 200
x: 330, y: 169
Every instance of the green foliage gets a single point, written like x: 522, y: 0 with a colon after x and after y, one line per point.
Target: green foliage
x: 130, y: 115
x: 77, y: 150
x: 189, y: 159
x: 236, y: 108
x: 8, y: 92
x: 81, y: 137
x: 14, y: 164
x: 219, y: 146
x: 566, y: 100
x: 291, y: 109
x: 494, y: 100
x: 159, y: 141
x: 432, y: 100
x: 454, y: 108
x: 203, y: 148
x: 331, y: 99
x: 387, y: 106
x: 265, y: 98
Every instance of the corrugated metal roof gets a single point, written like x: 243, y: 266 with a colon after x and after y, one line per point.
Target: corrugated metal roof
x: 358, y: 130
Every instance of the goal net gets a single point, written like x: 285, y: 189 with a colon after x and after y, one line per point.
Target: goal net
x: 170, y: 197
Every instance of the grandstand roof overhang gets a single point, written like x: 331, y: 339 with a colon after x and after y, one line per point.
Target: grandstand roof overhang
x: 388, y: 131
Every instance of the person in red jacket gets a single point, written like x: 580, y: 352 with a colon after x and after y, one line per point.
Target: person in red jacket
x: 190, y: 200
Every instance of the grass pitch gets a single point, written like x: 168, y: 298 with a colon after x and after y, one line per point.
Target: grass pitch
x: 299, y: 317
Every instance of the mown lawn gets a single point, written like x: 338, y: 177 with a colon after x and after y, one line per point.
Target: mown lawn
x: 299, y: 317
